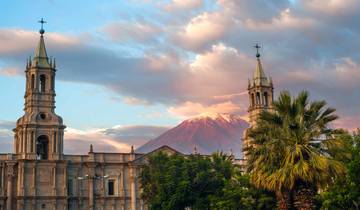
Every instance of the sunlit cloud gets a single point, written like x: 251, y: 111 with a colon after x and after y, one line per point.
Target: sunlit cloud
x: 201, y: 61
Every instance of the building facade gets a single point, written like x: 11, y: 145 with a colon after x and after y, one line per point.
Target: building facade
x: 39, y: 176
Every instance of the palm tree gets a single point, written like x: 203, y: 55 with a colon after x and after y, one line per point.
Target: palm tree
x: 289, y: 150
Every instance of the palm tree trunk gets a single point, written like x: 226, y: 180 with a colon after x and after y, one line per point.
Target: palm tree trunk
x: 283, y: 200
x: 304, y: 198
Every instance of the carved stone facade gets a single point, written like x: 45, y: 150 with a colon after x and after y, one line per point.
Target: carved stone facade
x: 39, y: 176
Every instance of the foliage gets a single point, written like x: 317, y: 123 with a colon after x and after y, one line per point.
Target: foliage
x: 199, y: 182
x: 238, y: 193
x: 291, y: 150
x: 345, y: 192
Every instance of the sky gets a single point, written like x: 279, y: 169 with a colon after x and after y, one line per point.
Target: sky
x: 130, y: 70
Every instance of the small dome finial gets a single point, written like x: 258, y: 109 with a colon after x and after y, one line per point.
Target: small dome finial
x: 42, y: 21
x: 257, y: 46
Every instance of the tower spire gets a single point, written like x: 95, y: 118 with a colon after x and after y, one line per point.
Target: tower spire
x: 40, y: 57
x: 259, y: 74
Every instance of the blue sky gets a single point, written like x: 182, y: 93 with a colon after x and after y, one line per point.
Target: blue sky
x: 102, y: 108
x: 136, y: 63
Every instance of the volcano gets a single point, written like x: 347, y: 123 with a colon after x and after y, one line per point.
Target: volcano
x: 208, y: 133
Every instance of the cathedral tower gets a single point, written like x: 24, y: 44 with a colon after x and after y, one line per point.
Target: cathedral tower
x: 261, y: 96
x: 260, y: 91
x: 39, y: 132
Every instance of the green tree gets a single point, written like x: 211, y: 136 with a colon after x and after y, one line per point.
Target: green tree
x: 290, y: 150
x: 199, y: 182
x: 165, y: 183
x: 239, y: 194
x: 345, y: 192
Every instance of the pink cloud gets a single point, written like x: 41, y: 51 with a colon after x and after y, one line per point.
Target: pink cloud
x: 18, y: 40
x: 139, y: 31
x: 285, y: 20
x: 190, y: 109
x: 332, y: 7
x: 202, y: 30
x: 183, y: 5
x: 115, y: 139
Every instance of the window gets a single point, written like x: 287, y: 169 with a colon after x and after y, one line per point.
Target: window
x: 52, y: 82
x: 266, y: 100
x: 257, y: 98
x: 42, y: 147
x: 252, y: 99
x: 111, y: 187
x: 42, y: 83
x: 70, y: 187
x: 32, y: 82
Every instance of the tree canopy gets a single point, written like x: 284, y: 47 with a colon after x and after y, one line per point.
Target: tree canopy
x: 172, y: 182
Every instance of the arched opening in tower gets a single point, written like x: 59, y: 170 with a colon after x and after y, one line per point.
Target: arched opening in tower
x: 42, y: 147
x: 266, y: 99
x: 42, y: 83
x: 258, y: 101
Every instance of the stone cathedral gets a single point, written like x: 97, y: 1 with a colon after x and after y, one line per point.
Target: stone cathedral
x: 38, y: 176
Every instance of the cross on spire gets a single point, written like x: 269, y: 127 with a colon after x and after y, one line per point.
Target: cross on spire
x: 42, y: 21
x: 257, y: 46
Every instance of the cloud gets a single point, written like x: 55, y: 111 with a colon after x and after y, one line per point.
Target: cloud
x: 135, y: 101
x: 183, y: 5
x: 14, y: 41
x: 190, y: 109
x: 332, y: 7
x: 204, y: 59
x: 202, y: 31
x: 136, y: 31
x: 114, y: 139
x: 6, y: 136
x: 285, y: 20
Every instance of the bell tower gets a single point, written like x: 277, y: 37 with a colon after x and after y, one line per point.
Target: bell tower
x: 261, y: 91
x: 39, y: 132
x: 261, y: 96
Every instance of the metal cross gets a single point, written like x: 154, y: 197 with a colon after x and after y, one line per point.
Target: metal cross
x: 257, y: 46
x: 42, y: 21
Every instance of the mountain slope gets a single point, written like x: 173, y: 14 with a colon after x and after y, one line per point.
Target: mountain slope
x: 209, y: 133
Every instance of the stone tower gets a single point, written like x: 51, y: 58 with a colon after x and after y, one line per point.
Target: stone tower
x: 39, y: 132
x: 261, y: 96
x: 260, y: 89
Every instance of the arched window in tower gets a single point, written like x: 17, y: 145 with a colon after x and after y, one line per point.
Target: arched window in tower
x: 266, y: 99
x: 258, y: 98
x: 42, y: 83
x: 52, y: 82
x: 42, y: 147
x: 32, y: 82
x: 252, y: 99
